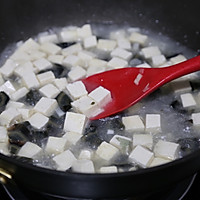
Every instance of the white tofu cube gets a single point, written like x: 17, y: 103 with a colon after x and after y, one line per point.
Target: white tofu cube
x: 38, y: 120
x: 24, y: 69
x: 121, y: 53
x: 177, y: 59
x: 72, y: 138
x: 187, y: 100
x: 55, y: 145
x: 108, y: 169
x: 60, y: 83
x: 76, y: 89
x: 9, y: 116
x: 49, y: 91
x: 76, y: 73
x: 166, y: 150
x: 20, y: 57
x: 107, y: 151
x: 19, y: 93
x: 8, y: 68
x: 69, y: 35
x: 120, y: 141
x: 158, y: 60
x: 196, y: 119
x: 42, y: 64
x: 133, y: 123
x: 124, y: 43
x: 85, y: 154
x: 151, y: 51
x: 101, y: 95
x: 8, y: 88
x: 116, y: 34
x: 73, y: 49
x: 153, y: 123
x: 46, y: 38
x: 29, y: 150
x: 75, y: 122
x: 50, y: 48
x: 46, y: 106
x: 181, y: 86
x: 138, y: 38
x: 95, y: 70
x: 143, y: 65
x: 86, y: 106
x: 86, y: 56
x: 116, y: 63
x: 106, y: 45
x: 4, y: 149
x: 46, y: 77
x: 71, y: 61
x: 25, y: 112
x: 84, y: 31
x: 58, y: 59
x: 90, y: 42
x: 14, y: 104
x: 141, y: 156
x: 30, y: 80
x: 35, y: 55
x: 145, y: 140
x: 29, y: 44
x: 158, y: 161
x: 64, y: 160
x: 83, y: 166
x: 3, y: 134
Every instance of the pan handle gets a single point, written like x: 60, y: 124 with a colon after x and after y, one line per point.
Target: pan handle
x: 4, y: 176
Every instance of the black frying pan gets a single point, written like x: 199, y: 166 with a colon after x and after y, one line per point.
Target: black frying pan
x: 21, y: 19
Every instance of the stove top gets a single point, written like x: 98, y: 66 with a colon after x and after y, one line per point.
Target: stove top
x: 185, y: 190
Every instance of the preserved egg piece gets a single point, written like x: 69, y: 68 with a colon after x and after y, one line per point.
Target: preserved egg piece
x: 39, y: 136
x: 65, y: 44
x: 13, y: 148
x: 176, y: 105
x: 64, y: 101
x: 4, y: 98
x: 32, y: 97
x: 195, y: 85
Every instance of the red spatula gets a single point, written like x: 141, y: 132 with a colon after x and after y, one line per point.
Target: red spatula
x: 129, y: 85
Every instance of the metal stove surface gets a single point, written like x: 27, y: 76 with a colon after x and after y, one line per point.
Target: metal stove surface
x: 185, y: 190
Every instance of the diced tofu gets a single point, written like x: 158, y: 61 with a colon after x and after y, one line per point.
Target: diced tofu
x: 177, y: 59
x: 19, y: 93
x: 9, y: 116
x: 95, y: 70
x: 181, y: 86
x: 60, y: 83
x: 71, y: 61
x: 76, y: 73
x: 8, y: 68
x: 166, y: 150
x: 25, y: 112
x: 55, y: 145
x: 138, y: 38
x: 14, y: 104
x: 107, y: 151
x: 46, y: 37
x: 3, y: 134
x: 196, y: 119
x: 121, y: 53
x: 101, y: 95
x: 97, y: 62
x: 158, y: 161
x: 83, y: 166
x: 46, y: 77
x: 116, y: 34
x: 116, y: 63
x: 8, y: 88
x: 42, y: 64
x: 72, y: 138
x: 30, y: 80
x: 20, y: 57
x: 149, y: 52
x: 187, y: 100
x: 49, y: 91
x: 133, y: 123
x: 106, y: 45
x: 84, y: 32
x: 74, y: 122
x: 4, y: 149
x: 38, y: 120
x: 29, y: 44
x: 124, y: 43
x: 158, y: 60
x: 141, y: 156
x: 86, y: 56
x: 76, y: 89
x: 29, y: 150
x: 50, y: 48
x: 145, y: 140
x: 46, y: 106
x: 69, y: 35
x: 108, y: 169
x: 64, y: 160
x: 143, y: 65
x: 58, y: 59
x: 73, y: 49
x: 153, y: 123
x: 35, y: 55
x: 25, y: 69
x: 85, y: 154
x: 86, y: 106
x: 90, y: 42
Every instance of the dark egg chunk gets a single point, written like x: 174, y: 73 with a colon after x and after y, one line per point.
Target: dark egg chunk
x: 4, y: 98
x: 65, y: 44
x: 32, y: 97
x: 64, y: 101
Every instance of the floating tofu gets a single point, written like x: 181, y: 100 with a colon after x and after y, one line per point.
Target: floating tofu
x: 145, y: 140
x: 116, y: 63
x: 64, y: 160
x: 42, y: 64
x: 8, y: 88
x: 158, y: 161
x: 4, y: 148
x: 90, y: 42
x: 124, y: 43
x: 76, y: 73
x: 76, y: 89
x: 49, y: 91
x: 149, y: 52
x: 107, y: 151
x: 101, y: 95
x: 46, y: 106
x: 138, y: 38
x: 71, y: 61
x: 29, y: 150
x: 25, y: 112
x: 69, y: 35
x: 72, y: 138
x: 83, y: 166
x: 75, y: 122
x: 19, y: 93
x: 8, y: 68
x: 58, y: 59
x: 121, y: 53
x: 181, y: 86
x: 38, y: 120
x: 187, y: 100
x: 133, y: 123
x: 141, y: 156
x: 196, y: 119
x: 55, y: 145
x: 47, y: 38
x: 84, y: 32
x: 73, y: 49
x: 29, y: 44
x: 108, y: 169
x: 3, y: 134
x: 60, y: 83
x: 177, y: 59
x: 85, y: 154
x: 166, y: 150
x: 106, y: 45
x: 50, y: 48
x: 153, y: 123
x: 46, y: 77
x: 158, y: 60
x: 30, y: 80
